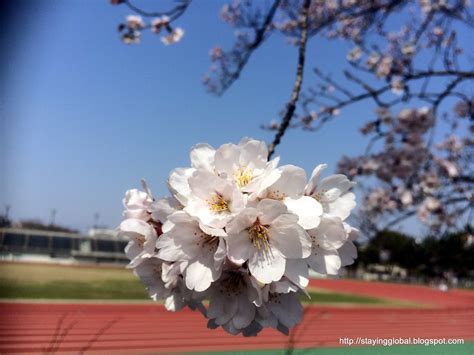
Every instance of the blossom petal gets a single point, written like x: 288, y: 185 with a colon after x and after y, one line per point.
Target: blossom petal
x: 132, y: 250
x: 227, y: 159
x: 220, y: 254
x: 284, y: 285
x: 203, y: 183
x: 313, y: 180
x: 330, y: 233
x: 242, y: 221
x: 334, y: 186
x: 288, y: 310
x: 342, y: 206
x: 135, y: 225
x: 291, y: 183
x: 215, y: 232
x: 290, y: 239
x: 174, y: 302
x: 199, y: 275
x: 230, y: 308
x: 202, y: 157
x: 245, y: 313
x: 297, y: 272
x: 267, y: 266
x: 170, y: 251
x: 216, y: 307
x: 238, y: 247
x: 179, y: 185
x: 269, y: 209
x: 253, y: 154
x: 268, y: 177
x: 347, y: 253
x: 326, y: 262
x: 162, y: 208
x: 307, y: 209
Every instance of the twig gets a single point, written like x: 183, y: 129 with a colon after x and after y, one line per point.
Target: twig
x: 231, y: 76
x: 174, y: 13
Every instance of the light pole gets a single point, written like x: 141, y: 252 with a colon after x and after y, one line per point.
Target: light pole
x: 53, y: 217
x: 96, y: 220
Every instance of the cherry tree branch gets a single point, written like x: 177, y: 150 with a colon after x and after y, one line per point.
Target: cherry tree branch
x: 376, y: 94
x: 295, y: 93
x: 173, y: 13
x: 233, y: 62
x: 411, y: 212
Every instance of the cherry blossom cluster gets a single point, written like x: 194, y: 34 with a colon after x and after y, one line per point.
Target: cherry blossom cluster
x: 241, y: 233
x: 134, y: 25
x: 434, y: 184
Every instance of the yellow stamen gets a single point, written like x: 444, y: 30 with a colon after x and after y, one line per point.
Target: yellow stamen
x: 140, y: 239
x: 259, y: 235
x: 243, y: 177
x: 276, y: 195
x: 208, y: 239
x: 217, y: 203
x: 317, y: 196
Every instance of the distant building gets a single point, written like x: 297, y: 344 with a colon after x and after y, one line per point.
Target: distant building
x: 99, y: 246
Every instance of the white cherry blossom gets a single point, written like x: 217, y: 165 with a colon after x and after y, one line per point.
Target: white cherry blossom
x: 244, y: 163
x: 202, y: 157
x: 186, y: 241
x: 178, y: 184
x: 137, y: 203
x: 214, y: 200
x: 289, y: 187
x: 348, y: 251
x: 281, y: 311
x: 161, y: 209
x: 142, y: 236
x: 135, y: 22
x: 326, y: 240
x: 241, y: 232
x: 332, y: 192
x: 173, y: 37
x: 265, y: 236
x: 233, y: 301
x: 150, y: 273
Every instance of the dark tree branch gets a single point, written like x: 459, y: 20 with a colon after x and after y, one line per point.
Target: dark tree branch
x: 295, y: 93
x: 243, y: 56
x: 375, y: 94
x: 173, y: 14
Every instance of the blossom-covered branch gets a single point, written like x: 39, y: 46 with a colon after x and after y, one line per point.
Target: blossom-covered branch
x: 418, y: 171
x: 131, y: 30
x: 406, y: 60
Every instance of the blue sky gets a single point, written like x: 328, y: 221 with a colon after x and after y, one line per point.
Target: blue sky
x: 85, y: 117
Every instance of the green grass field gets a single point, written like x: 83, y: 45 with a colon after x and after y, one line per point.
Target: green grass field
x: 465, y: 349
x: 40, y: 281
x: 331, y: 297
x: 69, y: 282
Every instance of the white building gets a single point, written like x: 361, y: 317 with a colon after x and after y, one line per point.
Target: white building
x: 99, y: 246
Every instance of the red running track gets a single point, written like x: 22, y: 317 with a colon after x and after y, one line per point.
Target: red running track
x: 454, y: 298
x: 124, y: 328
x: 79, y: 328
